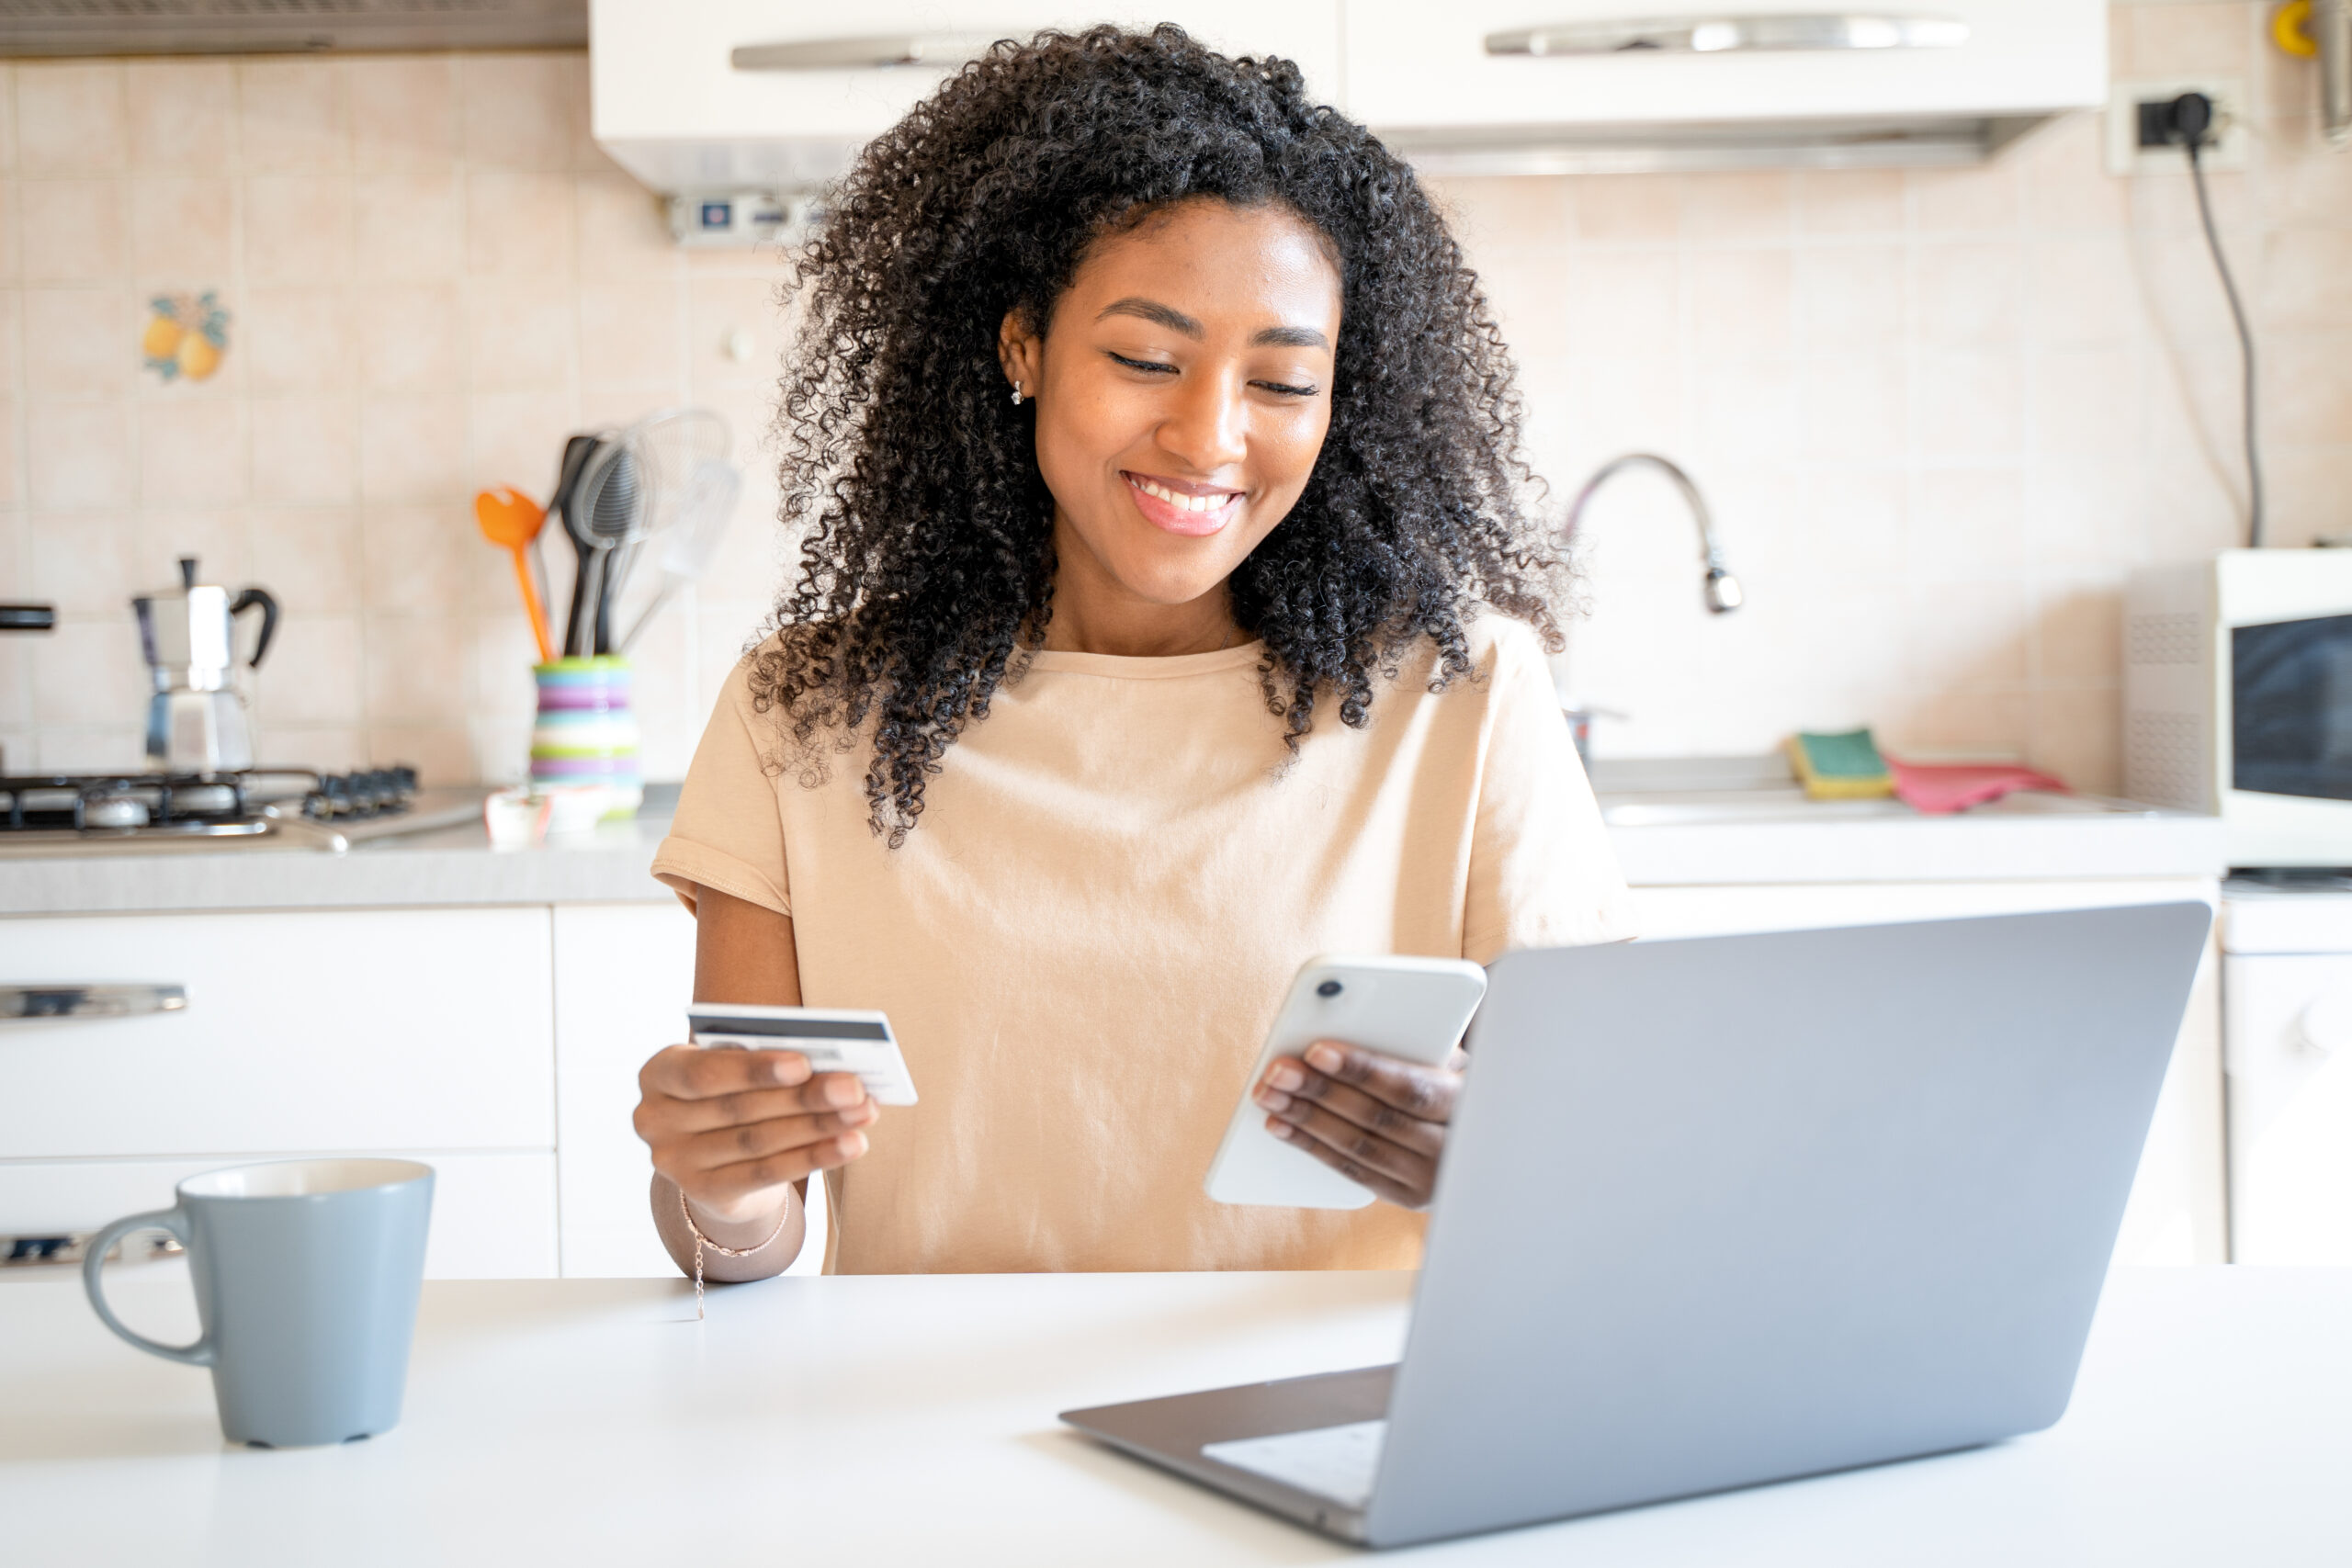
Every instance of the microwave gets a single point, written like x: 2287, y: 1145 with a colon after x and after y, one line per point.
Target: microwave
x: 2237, y: 700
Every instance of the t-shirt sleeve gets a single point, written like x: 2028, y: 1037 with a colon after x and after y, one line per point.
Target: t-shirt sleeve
x: 1542, y: 872
x: 728, y: 833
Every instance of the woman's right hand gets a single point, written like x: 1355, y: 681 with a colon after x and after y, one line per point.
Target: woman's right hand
x: 735, y: 1129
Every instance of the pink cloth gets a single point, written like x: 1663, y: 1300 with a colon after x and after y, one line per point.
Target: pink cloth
x: 1940, y: 790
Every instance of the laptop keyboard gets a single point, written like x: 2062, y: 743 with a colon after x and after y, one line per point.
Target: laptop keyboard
x: 1336, y: 1463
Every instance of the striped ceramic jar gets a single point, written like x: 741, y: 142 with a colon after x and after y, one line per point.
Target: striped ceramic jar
x: 586, y: 732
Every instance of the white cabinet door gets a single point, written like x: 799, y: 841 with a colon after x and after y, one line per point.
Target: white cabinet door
x: 673, y: 108
x: 351, y: 1031
x: 494, y: 1215
x: 2177, y: 1212
x: 2289, y: 1032
x: 1409, y: 63
x: 624, y: 975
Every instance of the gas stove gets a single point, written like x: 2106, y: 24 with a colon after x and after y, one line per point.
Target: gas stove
x: 288, y: 807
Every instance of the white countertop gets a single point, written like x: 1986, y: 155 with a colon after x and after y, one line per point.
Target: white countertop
x: 911, y: 1420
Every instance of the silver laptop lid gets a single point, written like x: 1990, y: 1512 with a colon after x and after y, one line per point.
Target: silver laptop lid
x: 1728, y: 1210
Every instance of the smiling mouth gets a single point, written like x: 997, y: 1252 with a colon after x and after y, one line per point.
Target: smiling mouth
x: 1191, y: 511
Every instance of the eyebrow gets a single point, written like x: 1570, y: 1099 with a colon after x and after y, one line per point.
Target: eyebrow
x: 1175, y: 321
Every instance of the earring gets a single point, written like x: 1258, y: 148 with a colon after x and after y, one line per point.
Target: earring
x: 1016, y: 394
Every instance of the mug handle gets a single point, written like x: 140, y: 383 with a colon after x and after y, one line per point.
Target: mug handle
x: 94, y: 1261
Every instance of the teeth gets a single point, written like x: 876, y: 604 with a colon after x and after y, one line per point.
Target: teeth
x: 1212, y: 502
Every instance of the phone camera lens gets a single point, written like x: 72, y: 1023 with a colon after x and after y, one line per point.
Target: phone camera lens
x: 1329, y: 988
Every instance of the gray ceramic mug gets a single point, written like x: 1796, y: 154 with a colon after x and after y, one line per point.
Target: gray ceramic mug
x: 306, y: 1273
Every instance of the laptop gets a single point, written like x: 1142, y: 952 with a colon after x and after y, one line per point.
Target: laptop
x: 1733, y: 1209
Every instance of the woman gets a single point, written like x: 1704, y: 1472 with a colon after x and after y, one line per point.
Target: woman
x: 1165, y: 615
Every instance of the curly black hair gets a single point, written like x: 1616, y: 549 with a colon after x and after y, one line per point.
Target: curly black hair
x: 927, y: 564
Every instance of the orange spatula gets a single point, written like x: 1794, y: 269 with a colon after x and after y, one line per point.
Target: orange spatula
x: 510, y: 520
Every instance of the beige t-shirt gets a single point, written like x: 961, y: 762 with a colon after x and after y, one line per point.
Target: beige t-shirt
x: 1083, y: 943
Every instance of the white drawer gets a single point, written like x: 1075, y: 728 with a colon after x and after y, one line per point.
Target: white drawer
x: 2291, y: 1108
x: 494, y: 1215
x: 352, y: 1031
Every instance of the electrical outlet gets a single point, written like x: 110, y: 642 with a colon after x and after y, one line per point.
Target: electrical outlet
x: 2127, y: 101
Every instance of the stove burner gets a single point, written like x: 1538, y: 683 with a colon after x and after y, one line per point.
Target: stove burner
x: 191, y: 805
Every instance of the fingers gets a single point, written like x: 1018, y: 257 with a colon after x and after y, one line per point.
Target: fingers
x: 1288, y: 1082
x: 691, y: 1072
x: 725, y: 1186
x: 661, y: 1115
x: 1403, y: 1178
x: 1426, y: 1094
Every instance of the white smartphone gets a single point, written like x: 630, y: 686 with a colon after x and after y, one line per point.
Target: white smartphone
x: 1412, y: 1007
x: 835, y: 1040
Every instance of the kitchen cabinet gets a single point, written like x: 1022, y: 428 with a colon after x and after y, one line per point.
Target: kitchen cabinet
x: 2177, y: 1212
x: 672, y: 106
x: 2287, y: 985
x: 1411, y: 65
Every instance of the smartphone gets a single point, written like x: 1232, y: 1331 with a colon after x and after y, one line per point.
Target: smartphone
x: 1414, y: 1007
x: 835, y: 1040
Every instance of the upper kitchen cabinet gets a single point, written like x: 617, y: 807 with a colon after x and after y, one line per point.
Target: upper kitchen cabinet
x: 1575, y: 86
x: 741, y: 94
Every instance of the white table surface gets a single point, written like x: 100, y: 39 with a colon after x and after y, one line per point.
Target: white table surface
x: 911, y: 1420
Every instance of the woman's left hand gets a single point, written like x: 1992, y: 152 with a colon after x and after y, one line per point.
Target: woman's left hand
x: 1375, y: 1120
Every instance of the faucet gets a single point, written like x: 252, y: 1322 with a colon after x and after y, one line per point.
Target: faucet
x: 1724, y: 592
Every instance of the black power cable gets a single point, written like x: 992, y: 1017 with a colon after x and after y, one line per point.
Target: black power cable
x: 2189, y: 119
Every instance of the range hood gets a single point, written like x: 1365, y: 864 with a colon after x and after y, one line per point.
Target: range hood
x: 39, y: 28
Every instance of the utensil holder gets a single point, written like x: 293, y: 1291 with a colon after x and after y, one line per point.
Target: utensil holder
x: 586, y: 732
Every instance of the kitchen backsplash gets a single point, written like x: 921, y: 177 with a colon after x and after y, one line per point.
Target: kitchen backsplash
x: 1939, y: 415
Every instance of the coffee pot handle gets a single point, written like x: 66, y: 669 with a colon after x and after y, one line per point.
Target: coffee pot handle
x: 198, y: 1354
x: 258, y: 598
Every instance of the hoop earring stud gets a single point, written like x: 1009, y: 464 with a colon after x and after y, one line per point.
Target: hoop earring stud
x: 1016, y: 394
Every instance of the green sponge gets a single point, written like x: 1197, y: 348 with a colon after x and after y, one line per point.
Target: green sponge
x: 1840, y: 767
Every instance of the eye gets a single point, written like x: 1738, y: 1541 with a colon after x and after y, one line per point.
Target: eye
x: 1283, y: 390
x: 1152, y: 366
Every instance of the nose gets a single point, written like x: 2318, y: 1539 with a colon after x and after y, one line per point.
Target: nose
x: 1208, y: 426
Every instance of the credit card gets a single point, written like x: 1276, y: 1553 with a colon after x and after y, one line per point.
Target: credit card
x: 834, y: 1040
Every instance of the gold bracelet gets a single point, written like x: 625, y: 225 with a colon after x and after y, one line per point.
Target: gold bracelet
x: 701, y: 1241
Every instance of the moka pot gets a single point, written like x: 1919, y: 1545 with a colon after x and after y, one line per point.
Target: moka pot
x: 196, y: 719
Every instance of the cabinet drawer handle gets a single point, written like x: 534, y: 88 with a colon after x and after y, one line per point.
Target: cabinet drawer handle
x: 21, y: 1004
x: 873, y: 53
x: 1730, y: 34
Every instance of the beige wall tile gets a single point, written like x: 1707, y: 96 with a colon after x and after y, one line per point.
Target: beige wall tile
x: 70, y: 118
x: 2305, y: 279
x: 2084, y: 290
x: 12, y: 469
x: 426, y: 560
x: 295, y: 339
x: 1969, y: 294
x: 2083, y: 512
x: 1850, y: 296
x: 719, y: 307
x: 86, y: 561
x: 403, y: 111
x: 419, y: 671
x: 517, y: 438
x: 409, y: 338
x: 440, y: 754
x: 90, y: 673
x: 2183, y: 41
x: 74, y: 230
x: 310, y: 557
x: 219, y: 539
x: 1856, y: 407
x: 2077, y: 736
x: 1646, y: 208
x: 1742, y: 302
x: 409, y: 226
x: 291, y: 114
x: 1967, y: 525
x: 297, y: 229
x: 2080, y: 638
x: 7, y: 118
x: 306, y: 450
x: 1969, y: 403
x: 1971, y: 200
x: 2088, y: 402
x: 412, y: 447
x: 517, y: 111
x: 1747, y: 409
x: 11, y: 247
x: 80, y: 341
x: 331, y: 749
x: 193, y: 451
x: 182, y: 230
x: 519, y: 335
x: 1757, y: 205
x: 518, y: 224
x: 1503, y: 212
x: 629, y: 336
x: 312, y: 675
x: 624, y: 232
x: 1625, y: 301
x: 182, y: 115
x: 2067, y: 187
x: 79, y: 454
x: 2307, y: 380
x: 1850, y: 201
x: 2303, y: 494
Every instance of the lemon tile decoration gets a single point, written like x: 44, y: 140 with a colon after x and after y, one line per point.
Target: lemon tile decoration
x: 186, y: 335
